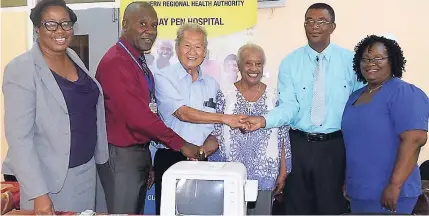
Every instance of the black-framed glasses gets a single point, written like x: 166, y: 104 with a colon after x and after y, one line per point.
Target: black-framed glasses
x: 311, y: 22
x: 53, y: 25
x: 376, y: 60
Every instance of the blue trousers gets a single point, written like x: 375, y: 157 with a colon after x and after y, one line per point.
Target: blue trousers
x: 405, y: 206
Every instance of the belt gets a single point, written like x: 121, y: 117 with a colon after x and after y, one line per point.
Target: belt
x: 317, y: 137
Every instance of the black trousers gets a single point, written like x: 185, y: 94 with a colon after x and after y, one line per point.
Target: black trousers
x: 318, y: 173
x: 164, y: 159
x: 124, y: 178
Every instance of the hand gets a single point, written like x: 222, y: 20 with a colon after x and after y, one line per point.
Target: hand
x: 254, y: 122
x: 151, y: 178
x: 201, y: 156
x: 280, y: 184
x: 43, y: 205
x: 210, y: 146
x: 190, y: 151
x: 235, y: 121
x: 390, y: 197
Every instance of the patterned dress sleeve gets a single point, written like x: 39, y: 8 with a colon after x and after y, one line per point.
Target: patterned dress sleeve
x: 219, y: 155
x: 284, y: 143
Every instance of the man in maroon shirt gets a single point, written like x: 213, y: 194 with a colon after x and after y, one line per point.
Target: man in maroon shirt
x: 131, y: 113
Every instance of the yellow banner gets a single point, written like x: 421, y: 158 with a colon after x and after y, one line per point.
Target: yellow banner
x: 219, y: 17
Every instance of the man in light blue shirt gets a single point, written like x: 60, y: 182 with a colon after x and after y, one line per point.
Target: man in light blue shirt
x: 175, y: 88
x: 314, y: 83
x: 186, y: 101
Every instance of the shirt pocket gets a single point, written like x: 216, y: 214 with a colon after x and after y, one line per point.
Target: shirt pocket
x: 341, y: 90
x: 304, y: 92
x: 209, y: 109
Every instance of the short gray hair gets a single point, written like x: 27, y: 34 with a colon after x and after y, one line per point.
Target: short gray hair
x: 249, y: 46
x: 191, y: 27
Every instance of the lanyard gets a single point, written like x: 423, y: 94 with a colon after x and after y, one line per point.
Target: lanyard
x: 147, y: 76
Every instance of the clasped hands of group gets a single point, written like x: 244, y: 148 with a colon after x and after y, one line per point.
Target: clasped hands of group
x: 243, y: 122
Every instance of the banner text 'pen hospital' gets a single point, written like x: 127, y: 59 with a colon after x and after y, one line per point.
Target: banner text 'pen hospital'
x: 207, y: 21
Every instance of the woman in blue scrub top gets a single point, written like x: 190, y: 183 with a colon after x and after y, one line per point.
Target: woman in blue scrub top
x: 384, y: 125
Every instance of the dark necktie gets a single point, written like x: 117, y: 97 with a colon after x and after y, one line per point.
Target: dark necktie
x: 144, y: 65
x: 146, y: 71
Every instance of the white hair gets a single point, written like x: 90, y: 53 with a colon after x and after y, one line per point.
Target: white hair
x: 191, y: 27
x: 251, y: 46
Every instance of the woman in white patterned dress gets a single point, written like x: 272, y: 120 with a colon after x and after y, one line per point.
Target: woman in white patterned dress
x: 265, y: 152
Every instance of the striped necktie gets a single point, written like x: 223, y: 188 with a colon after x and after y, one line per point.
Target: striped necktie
x: 318, y: 106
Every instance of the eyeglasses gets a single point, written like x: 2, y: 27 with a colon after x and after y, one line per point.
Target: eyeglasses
x: 316, y: 22
x: 376, y: 60
x: 53, y: 25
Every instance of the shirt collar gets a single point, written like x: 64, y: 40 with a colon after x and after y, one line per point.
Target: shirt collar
x: 183, y: 73
x: 312, y: 54
x: 130, y: 47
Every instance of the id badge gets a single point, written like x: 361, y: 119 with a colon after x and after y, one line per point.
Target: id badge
x: 153, y: 107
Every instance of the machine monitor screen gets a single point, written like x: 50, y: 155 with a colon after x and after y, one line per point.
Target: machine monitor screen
x: 199, y: 197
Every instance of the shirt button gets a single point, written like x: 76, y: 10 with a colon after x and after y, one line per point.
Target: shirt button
x: 66, y: 153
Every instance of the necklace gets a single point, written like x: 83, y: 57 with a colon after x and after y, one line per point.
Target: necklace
x: 373, y: 89
x: 248, y: 108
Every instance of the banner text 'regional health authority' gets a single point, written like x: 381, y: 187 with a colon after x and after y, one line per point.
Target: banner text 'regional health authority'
x: 230, y: 3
